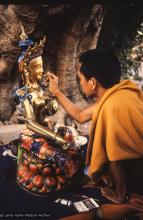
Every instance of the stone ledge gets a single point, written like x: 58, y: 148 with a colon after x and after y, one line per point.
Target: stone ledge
x: 10, y: 132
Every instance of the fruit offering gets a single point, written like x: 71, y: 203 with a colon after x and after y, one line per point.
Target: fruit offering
x: 44, y: 167
x: 38, y: 176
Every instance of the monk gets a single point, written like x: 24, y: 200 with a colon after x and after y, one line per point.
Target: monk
x: 115, y: 149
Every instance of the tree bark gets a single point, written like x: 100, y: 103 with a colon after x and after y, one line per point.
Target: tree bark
x: 71, y: 28
x: 11, y: 19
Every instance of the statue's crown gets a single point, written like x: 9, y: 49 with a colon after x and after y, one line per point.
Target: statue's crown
x: 34, y: 51
x: 31, y: 53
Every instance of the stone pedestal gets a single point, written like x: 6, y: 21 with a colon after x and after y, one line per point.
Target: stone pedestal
x: 10, y: 132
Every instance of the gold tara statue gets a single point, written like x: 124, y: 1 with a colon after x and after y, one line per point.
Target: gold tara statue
x: 46, y: 160
x: 36, y: 102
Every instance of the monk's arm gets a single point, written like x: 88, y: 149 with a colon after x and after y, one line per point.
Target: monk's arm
x: 80, y: 115
x: 108, y: 211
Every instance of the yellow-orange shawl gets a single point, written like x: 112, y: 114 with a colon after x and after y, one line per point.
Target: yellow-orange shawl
x: 117, y: 126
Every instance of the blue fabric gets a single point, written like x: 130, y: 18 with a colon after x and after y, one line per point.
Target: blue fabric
x: 86, y: 170
x: 24, y: 44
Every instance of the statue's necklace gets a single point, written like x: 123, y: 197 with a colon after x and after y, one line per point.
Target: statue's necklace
x: 38, y: 91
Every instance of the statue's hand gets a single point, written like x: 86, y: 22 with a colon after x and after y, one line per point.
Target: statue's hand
x: 53, y: 83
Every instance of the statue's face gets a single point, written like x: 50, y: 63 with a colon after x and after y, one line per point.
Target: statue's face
x: 36, y: 68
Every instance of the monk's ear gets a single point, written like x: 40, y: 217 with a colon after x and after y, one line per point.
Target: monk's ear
x: 93, y: 83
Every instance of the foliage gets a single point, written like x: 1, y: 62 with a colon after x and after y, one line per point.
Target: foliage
x: 123, y: 31
x: 131, y: 56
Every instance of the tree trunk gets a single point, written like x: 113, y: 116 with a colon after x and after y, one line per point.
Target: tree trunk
x: 11, y: 19
x: 70, y: 29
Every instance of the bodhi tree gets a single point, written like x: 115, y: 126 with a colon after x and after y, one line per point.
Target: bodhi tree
x: 71, y: 27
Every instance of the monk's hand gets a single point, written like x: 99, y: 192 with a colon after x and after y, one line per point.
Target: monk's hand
x: 107, y: 181
x: 53, y: 83
x: 110, y: 194
x: 135, y: 201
